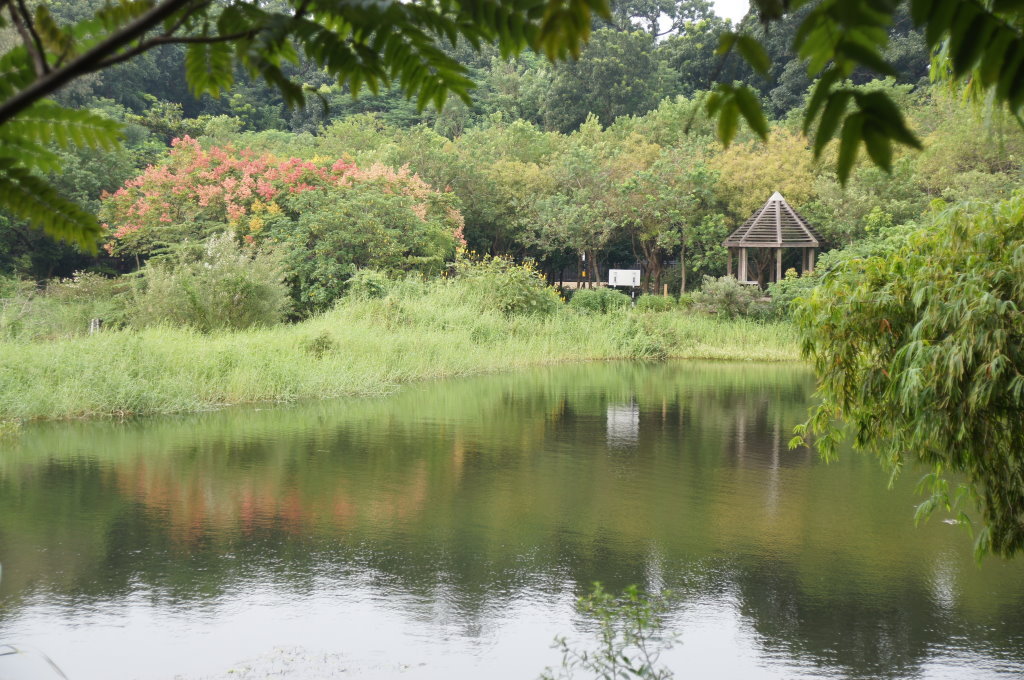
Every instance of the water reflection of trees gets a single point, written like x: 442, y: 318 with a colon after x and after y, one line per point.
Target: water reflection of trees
x: 482, y: 487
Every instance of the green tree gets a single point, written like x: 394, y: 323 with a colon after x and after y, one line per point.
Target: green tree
x: 971, y: 151
x: 582, y: 215
x: 659, y: 17
x: 510, y: 181
x: 339, y: 232
x: 920, y: 351
x: 516, y: 88
x: 848, y: 214
x: 665, y: 209
x: 617, y: 75
x: 691, y: 53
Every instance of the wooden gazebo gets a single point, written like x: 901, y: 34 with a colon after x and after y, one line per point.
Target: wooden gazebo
x: 772, y: 228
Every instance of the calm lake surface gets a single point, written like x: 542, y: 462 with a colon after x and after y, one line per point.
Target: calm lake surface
x: 447, y: 531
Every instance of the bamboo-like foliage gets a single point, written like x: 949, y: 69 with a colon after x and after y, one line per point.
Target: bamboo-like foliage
x: 921, y: 353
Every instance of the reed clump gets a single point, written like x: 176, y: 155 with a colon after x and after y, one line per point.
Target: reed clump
x: 364, y: 346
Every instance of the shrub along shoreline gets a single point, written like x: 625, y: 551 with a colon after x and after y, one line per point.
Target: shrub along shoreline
x: 362, y: 347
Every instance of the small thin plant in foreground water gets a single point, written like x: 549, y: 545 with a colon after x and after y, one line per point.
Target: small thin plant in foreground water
x: 631, y: 637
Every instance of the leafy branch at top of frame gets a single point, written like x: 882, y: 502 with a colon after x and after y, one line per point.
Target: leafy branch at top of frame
x: 357, y: 42
x: 360, y: 43
x: 838, y: 36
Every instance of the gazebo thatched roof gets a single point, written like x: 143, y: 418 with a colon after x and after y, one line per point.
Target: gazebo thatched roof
x: 774, y: 225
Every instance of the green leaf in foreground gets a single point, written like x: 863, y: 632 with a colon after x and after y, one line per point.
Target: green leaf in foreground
x: 849, y: 142
x: 750, y: 107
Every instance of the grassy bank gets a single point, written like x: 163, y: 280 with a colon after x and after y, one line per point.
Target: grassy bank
x: 362, y: 347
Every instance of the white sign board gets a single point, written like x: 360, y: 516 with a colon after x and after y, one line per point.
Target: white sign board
x: 624, y: 277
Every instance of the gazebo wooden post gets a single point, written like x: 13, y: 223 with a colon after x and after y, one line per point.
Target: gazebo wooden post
x: 773, y: 227
x: 728, y: 262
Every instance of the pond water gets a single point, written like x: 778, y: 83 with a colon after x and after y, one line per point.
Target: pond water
x: 447, y: 531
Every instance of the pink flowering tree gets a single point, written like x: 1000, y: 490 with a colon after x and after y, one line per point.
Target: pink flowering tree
x: 330, y: 218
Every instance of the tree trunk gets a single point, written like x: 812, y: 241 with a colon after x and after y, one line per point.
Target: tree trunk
x: 656, y: 267
x: 653, y: 269
x: 595, y: 272
x: 682, y: 269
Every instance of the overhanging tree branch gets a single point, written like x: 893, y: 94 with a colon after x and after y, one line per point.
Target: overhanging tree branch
x: 358, y: 42
x: 21, y: 21
x: 90, y: 61
x: 172, y: 40
x: 36, y: 40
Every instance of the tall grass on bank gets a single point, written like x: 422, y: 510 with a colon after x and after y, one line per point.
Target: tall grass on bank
x: 63, y: 310
x: 362, y: 347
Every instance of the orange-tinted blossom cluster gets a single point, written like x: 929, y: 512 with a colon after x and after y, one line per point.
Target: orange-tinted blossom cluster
x: 223, y: 185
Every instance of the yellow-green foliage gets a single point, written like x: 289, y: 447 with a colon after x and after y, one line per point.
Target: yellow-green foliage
x: 499, y: 283
x: 419, y: 331
x: 598, y: 300
x: 655, y: 303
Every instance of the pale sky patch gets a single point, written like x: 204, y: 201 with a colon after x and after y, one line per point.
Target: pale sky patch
x: 731, y: 9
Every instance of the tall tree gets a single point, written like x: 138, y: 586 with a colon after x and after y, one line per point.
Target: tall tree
x: 660, y: 17
x: 668, y: 208
x: 617, y: 75
x: 691, y: 54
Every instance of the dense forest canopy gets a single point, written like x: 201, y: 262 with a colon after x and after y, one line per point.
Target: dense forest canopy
x: 645, y: 56
x: 415, y: 47
x: 603, y: 160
